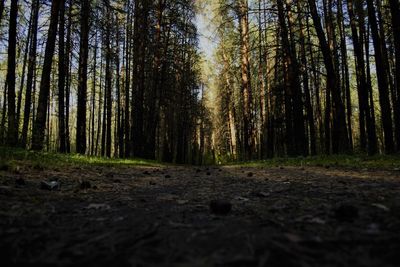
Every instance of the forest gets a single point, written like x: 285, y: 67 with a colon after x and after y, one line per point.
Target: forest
x: 200, y: 132
x: 127, y: 79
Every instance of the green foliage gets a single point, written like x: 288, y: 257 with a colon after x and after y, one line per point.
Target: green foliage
x: 341, y: 161
x: 11, y: 158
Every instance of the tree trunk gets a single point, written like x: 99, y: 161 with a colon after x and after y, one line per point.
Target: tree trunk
x: 127, y: 132
x: 25, y: 61
x: 40, y: 122
x: 246, y: 79
x: 68, y: 67
x: 31, y: 72
x: 395, y: 12
x: 382, y: 74
x: 82, y: 79
x: 12, y: 132
x: 308, y: 104
x: 61, y: 81
x: 339, y: 130
x: 92, y: 151
x: 367, y: 135
x: 345, y: 72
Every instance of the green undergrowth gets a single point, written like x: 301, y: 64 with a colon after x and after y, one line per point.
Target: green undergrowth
x: 11, y: 158
x: 390, y: 162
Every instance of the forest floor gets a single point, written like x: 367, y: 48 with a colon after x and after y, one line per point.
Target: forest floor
x: 156, y: 215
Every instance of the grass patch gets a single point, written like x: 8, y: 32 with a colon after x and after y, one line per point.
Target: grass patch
x: 345, y: 161
x: 10, y: 157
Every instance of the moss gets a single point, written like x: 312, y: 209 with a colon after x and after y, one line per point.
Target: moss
x: 348, y: 161
x: 45, y: 160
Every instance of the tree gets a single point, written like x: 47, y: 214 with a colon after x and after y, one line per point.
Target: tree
x: 61, y: 81
x: 82, y: 79
x: 40, y: 122
x: 31, y: 72
x: 12, y: 131
x: 339, y: 130
x: 383, y: 84
x: 395, y: 12
x: 246, y: 79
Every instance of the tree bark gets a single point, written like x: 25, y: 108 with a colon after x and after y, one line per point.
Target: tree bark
x: 82, y: 79
x: 395, y: 12
x: 12, y: 132
x: 339, y: 130
x: 383, y: 85
x: 243, y: 10
x: 40, y: 122
x: 61, y: 81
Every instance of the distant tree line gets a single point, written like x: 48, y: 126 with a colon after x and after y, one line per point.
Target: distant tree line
x: 307, y: 77
x: 107, y: 78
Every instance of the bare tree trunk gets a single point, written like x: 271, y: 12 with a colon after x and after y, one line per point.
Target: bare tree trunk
x: 31, y: 72
x: 40, y: 122
x: 92, y: 151
x: 68, y: 67
x: 395, y: 12
x: 383, y: 85
x: 25, y: 62
x: 12, y: 132
x: 61, y: 81
x: 345, y: 72
x: 339, y: 131
x: 246, y: 80
x: 82, y: 79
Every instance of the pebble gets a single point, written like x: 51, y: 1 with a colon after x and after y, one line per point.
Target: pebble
x: 20, y: 181
x: 346, y: 212
x: 85, y: 185
x: 220, y: 207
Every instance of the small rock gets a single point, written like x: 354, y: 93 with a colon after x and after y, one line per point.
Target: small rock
x: 51, y: 186
x: 20, y: 181
x: 95, y: 206
x: 220, y: 207
x: 198, y: 170
x: 117, y: 181
x: 167, y: 176
x: 38, y: 167
x: 346, y: 212
x: 250, y: 174
x: 262, y: 194
x: 152, y: 183
x: 208, y: 173
x: 6, y: 191
x: 83, y: 185
x: 381, y: 206
x: 4, y: 167
x: 146, y: 173
x: 281, y: 168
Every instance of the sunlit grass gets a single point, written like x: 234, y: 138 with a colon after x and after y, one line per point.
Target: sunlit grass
x: 348, y: 161
x: 10, y: 157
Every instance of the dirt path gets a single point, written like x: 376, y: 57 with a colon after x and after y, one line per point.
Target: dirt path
x: 160, y: 217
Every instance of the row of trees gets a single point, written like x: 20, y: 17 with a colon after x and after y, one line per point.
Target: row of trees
x: 109, y: 78
x: 301, y: 77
